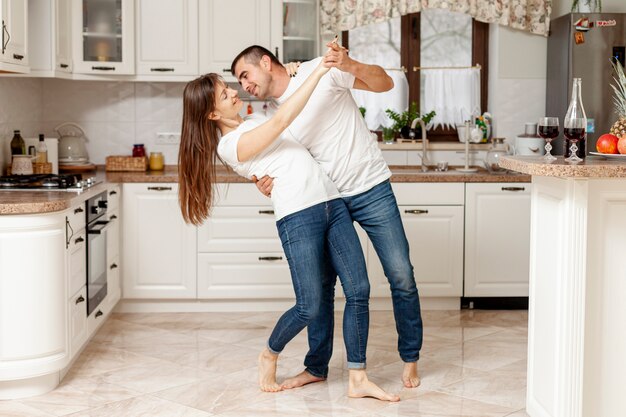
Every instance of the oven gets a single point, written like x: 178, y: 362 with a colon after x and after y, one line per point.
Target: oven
x: 96, y: 251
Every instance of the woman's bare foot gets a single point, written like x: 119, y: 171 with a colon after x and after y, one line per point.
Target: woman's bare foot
x: 303, y: 378
x: 267, y: 371
x: 359, y: 387
x: 410, y: 378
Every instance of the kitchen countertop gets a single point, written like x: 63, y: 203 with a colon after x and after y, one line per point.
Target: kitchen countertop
x: 591, y: 167
x: 38, y: 202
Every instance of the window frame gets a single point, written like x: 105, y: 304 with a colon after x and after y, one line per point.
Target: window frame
x: 410, y: 47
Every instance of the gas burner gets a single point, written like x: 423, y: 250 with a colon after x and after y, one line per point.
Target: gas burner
x: 46, y: 182
x: 49, y: 183
x: 7, y: 184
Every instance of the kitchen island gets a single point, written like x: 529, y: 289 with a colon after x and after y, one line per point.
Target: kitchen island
x: 577, y: 307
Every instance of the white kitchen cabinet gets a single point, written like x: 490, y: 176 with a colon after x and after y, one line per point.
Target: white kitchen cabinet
x: 77, y: 308
x: 159, y: 250
x: 435, y: 235
x: 103, y: 37
x: 229, y: 26
x: 295, y: 30
x: 14, y: 47
x: 167, y: 37
x: 497, y: 240
x: 63, y: 36
x: 113, y: 247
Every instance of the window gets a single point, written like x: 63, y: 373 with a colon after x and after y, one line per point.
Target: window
x: 432, y: 38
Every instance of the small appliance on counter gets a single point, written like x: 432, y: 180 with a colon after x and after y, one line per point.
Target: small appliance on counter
x: 73, y: 154
x: 529, y: 143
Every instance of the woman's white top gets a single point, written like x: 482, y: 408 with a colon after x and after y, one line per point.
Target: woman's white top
x: 299, y: 181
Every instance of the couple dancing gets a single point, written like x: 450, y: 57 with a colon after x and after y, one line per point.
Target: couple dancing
x: 316, y: 159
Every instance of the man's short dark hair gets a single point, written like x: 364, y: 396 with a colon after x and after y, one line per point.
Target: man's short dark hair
x: 252, y: 55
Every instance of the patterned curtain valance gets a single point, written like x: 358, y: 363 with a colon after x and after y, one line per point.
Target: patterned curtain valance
x: 529, y: 15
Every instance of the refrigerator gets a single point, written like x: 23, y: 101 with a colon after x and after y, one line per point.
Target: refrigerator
x: 589, y: 60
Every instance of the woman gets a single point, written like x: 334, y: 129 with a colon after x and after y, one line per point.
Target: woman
x: 311, y: 217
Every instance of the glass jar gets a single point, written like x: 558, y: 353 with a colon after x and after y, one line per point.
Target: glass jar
x: 139, y: 150
x: 156, y: 161
x: 497, y: 149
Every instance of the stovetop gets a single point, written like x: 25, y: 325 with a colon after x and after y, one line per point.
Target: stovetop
x: 47, y: 182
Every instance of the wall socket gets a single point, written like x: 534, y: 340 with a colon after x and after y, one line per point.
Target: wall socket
x: 168, y: 138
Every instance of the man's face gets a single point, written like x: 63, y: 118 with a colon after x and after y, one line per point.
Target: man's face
x: 254, y: 78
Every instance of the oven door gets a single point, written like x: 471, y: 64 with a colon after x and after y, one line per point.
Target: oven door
x: 96, y: 264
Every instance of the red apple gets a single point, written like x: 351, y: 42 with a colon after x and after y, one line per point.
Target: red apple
x: 607, y: 143
x: 621, y: 145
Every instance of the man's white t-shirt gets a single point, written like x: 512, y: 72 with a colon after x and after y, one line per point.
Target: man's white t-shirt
x: 299, y: 182
x: 332, y: 129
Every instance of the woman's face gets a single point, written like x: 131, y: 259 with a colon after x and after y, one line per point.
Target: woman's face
x: 227, y: 102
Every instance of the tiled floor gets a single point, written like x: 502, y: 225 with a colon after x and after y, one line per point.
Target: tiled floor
x: 473, y: 363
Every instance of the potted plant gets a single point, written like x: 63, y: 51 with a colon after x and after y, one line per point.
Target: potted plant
x: 402, y: 121
x: 587, y: 6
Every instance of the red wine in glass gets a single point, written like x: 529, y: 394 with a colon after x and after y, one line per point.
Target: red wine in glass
x: 575, y: 135
x: 548, y: 132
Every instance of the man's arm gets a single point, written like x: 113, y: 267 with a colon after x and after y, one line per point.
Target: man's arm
x: 368, y: 77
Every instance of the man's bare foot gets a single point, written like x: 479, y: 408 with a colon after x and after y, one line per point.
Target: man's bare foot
x: 303, y: 378
x: 359, y: 387
x: 267, y: 371
x: 410, y: 378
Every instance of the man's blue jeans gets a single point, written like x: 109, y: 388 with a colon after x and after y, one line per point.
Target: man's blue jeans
x: 307, y: 237
x: 377, y: 212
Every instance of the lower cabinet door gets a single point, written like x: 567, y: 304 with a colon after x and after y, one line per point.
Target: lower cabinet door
x: 435, y: 235
x: 77, y: 306
x: 243, y: 275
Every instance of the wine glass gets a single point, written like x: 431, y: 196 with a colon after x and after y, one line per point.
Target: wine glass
x: 574, y: 131
x: 548, y: 129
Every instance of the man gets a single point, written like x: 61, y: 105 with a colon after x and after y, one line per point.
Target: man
x: 332, y: 129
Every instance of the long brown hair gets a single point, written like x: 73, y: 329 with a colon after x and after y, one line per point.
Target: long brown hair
x: 197, y: 156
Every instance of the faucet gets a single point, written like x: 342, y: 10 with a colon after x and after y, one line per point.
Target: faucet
x: 424, y: 158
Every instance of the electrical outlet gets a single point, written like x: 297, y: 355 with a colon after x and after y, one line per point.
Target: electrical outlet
x: 168, y: 138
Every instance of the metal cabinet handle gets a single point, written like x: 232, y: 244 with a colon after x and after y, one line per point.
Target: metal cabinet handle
x: 78, y: 240
x: 63, y: 65
x: 99, y: 313
x: 113, y: 266
x: 159, y: 188
x: 513, y: 188
x: 266, y: 211
x: 416, y: 211
x: 80, y: 299
x: 270, y: 258
x: 226, y: 70
x: 113, y: 217
x: 162, y: 69
x: 277, y: 54
x: 4, y: 30
x: 18, y: 57
x: 112, y: 192
x: 78, y: 210
x: 103, y: 68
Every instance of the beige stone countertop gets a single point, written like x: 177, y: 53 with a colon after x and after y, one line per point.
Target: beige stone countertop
x: 591, y: 167
x: 37, y: 202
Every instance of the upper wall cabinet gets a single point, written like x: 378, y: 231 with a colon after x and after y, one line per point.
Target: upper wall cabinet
x: 14, y: 47
x: 103, y: 41
x: 63, y: 38
x: 228, y: 27
x: 300, y: 34
x: 167, y: 37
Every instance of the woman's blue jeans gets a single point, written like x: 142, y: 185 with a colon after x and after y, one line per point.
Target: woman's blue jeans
x: 377, y: 212
x: 310, y: 238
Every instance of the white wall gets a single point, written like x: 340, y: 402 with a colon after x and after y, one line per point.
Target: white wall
x: 20, y: 108
x: 517, y: 79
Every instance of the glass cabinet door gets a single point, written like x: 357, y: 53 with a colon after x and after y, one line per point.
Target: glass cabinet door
x: 300, y: 35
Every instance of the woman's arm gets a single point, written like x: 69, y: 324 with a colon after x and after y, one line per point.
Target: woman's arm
x: 254, y: 141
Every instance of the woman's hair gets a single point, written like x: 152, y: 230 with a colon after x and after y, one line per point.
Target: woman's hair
x: 197, y: 156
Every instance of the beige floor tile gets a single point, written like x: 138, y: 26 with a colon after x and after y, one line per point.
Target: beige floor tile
x: 117, y: 333
x: 436, y: 404
x: 74, y: 396
x: 97, y: 358
x: 459, y: 334
x: 143, y: 407
x: 519, y: 413
x: 481, y: 356
x: 17, y: 409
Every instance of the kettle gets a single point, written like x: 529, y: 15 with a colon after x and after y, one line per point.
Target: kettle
x: 72, y: 150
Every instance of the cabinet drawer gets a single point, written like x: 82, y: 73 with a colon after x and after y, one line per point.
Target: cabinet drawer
x: 113, y: 198
x: 436, y: 194
x: 244, y: 275
x: 77, y: 262
x: 113, y: 236
x: 77, y: 218
x: 238, y: 194
x: 239, y: 229
x: 113, y: 282
x: 77, y: 307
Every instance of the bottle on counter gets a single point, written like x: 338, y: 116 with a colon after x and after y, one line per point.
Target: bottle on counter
x: 18, y: 146
x: 42, y: 151
x: 250, y: 110
x: 575, y: 124
x: 139, y: 150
